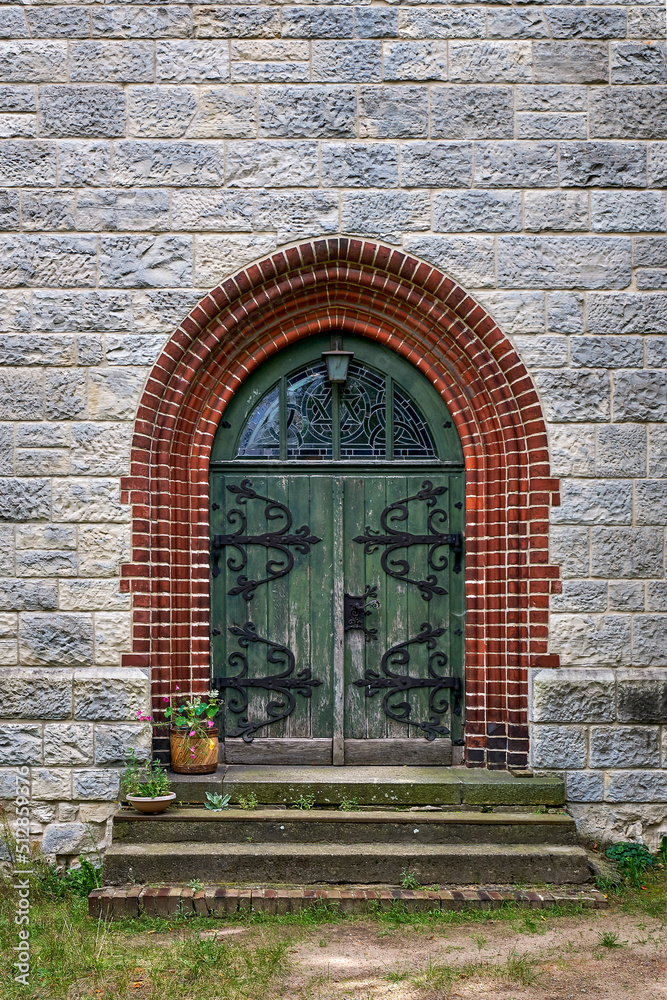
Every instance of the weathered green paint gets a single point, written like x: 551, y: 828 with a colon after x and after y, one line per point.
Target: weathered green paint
x: 299, y: 610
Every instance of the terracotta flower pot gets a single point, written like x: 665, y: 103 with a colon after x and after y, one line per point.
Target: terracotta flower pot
x: 156, y: 805
x: 193, y: 754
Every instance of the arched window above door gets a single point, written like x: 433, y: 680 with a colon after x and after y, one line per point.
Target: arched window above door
x: 385, y: 410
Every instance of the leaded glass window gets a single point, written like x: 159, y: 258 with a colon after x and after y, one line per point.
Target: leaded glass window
x: 304, y: 417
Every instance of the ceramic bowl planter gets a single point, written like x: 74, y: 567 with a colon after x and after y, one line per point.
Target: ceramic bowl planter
x: 143, y: 804
x: 193, y: 754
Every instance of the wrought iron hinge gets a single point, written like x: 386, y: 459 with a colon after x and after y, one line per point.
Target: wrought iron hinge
x: 356, y: 609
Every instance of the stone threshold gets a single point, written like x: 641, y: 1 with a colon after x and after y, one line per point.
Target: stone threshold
x: 118, y: 903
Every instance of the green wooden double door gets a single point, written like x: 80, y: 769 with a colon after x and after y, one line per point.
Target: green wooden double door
x: 337, y: 583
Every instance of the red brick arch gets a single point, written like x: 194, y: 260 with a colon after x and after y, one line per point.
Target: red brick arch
x: 416, y: 310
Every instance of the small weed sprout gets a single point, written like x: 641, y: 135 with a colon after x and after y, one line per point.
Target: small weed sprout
x: 609, y: 939
x: 248, y: 801
x: 216, y: 802
x: 349, y: 805
x: 304, y: 801
x: 409, y: 880
x: 196, y: 885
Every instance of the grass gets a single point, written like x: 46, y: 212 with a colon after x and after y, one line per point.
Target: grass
x: 438, y: 976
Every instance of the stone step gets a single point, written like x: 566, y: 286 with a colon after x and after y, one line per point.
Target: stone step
x: 379, y: 786
x: 317, y: 826
x: 345, y: 863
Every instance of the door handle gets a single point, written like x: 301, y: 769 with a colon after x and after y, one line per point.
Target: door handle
x: 357, y: 608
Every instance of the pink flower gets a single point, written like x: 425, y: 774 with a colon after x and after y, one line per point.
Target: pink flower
x: 165, y: 698
x: 192, y: 732
x: 210, y: 723
x: 177, y: 688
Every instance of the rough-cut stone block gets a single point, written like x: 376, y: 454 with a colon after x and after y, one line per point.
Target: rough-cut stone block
x: 646, y: 22
x: 60, y: 260
x: 96, y: 784
x: 112, y: 743
x: 472, y: 113
x: 591, y: 640
x: 24, y: 595
x: 441, y: 22
x: 84, y: 164
x: 640, y: 396
x: 570, y: 62
x: 123, y: 210
x: 47, y: 783
x: 657, y: 451
x: 436, y: 164
x: 51, y: 210
x: 468, y: 259
x: 191, y: 62
x: 490, y: 62
x: 88, y: 112
x: 114, y: 394
x: 145, y: 261
x: 27, y: 163
x: 589, y: 22
x: 308, y: 112
x: 65, y: 838
x: 371, y: 164
x: 649, y: 641
x: 142, y: 22
x: 113, y: 636
x: 584, y: 786
x: 651, y: 502
x: 266, y: 72
x: 572, y: 695
x: 387, y: 215
x: 346, y: 61
x: 516, y: 164
x: 92, y: 595
x: 599, y: 502
x: 107, y: 694
x: 49, y: 563
x: 636, y: 786
x: 88, y: 500
x: 414, y: 61
x: 395, y: 112
x: 225, y: 113
x: 296, y: 214
x: 102, y: 547
x: 160, y: 111
x: 543, y: 352
x: 237, y: 22
x: 564, y: 262
x: 580, y: 596
x: 621, y: 450
x: 319, y: 22
x: 603, y: 164
x: 127, y: 349
x: 471, y: 211
x: 33, y: 61
x: 627, y: 313
x: 642, y: 695
x: 111, y: 62
x: 375, y: 22
x: 566, y: 312
x: 558, y: 210
x: 516, y: 312
x: 624, y: 746
x: 221, y: 211
x: 628, y: 113
x: 272, y: 164
x: 25, y: 500
x: 217, y: 256
x: 572, y: 450
x: 637, y: 62
x: 657, y: 164
x: 178, y: 164
x: 626, y: 595
x: 65, y: 745
x: 55, y: 639
x: 574, y: 396
x: 606, y: 352
x: 20, y: 744
x: 551, y: 126
x: 551, y: 98
x: 627, y: 211
x: 558, y: 746
x: 101, y: 448
x: 627, y: 553
x: 58, y: 22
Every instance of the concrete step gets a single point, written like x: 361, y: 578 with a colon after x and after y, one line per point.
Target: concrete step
x: 327, y: 826
x: 273, y: 863
x: 378, y: 786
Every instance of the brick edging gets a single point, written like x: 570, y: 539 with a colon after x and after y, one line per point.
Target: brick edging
x: 219, y: 901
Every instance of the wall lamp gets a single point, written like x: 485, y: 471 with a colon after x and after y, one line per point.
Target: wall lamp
x: 337, y: 361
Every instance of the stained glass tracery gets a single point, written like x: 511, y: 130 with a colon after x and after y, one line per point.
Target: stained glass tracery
x: 308, y: 419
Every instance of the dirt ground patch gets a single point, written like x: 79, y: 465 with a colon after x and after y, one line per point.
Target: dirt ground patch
x: 532, y: 958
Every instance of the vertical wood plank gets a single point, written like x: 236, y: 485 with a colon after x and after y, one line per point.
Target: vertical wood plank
x: 338, y: 752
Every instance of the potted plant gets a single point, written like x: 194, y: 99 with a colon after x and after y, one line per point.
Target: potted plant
x: 193, y: 735
x: 146, y: 786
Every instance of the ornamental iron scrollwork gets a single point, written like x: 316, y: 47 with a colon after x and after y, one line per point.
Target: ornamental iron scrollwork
x: 398, y: 684
x: 357, y: 609
x: 285, y: 684
x: 395, y: 539
x: 282, y: 541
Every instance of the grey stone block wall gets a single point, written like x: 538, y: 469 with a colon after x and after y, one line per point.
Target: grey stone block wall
x: 148, y: 151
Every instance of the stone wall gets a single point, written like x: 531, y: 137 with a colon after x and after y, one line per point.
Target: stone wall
x: 151, y: 150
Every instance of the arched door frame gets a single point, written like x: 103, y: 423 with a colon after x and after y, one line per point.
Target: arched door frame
x: 364, y: 288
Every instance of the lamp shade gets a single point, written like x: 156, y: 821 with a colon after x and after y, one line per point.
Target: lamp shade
x: 337, y: 363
